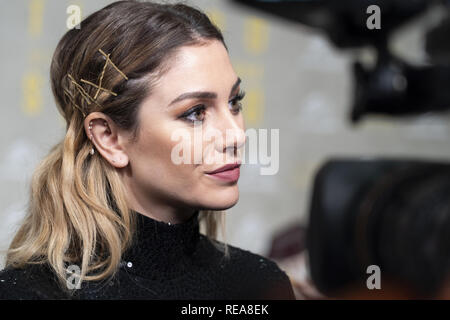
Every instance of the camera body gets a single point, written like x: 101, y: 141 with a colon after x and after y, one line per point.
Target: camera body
x: 391, y: 86
x: 389, y: 213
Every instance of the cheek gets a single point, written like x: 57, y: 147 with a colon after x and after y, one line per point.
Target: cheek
x: 156, y: 150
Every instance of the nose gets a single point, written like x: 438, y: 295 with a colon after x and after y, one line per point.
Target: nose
x: 232, y: 129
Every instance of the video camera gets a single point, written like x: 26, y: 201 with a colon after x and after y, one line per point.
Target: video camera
x: 391, y: 86
x: 390, y: 213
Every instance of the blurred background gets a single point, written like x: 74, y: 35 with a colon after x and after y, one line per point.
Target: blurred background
x: 295, y: 80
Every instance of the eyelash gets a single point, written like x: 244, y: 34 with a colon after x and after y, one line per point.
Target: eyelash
x: 237, y: 99
x: 202, y: 107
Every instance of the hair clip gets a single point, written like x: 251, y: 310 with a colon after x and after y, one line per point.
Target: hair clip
x: 71, y: 98
x: 99, y: 87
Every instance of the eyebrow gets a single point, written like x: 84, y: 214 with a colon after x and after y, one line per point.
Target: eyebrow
x: 203, y: 94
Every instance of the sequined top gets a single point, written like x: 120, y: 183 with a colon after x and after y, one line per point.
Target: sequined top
x: 168, y: 262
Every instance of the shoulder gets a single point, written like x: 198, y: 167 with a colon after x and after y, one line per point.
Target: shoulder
x: 28, y: 283
x: 261, y: 277
x: 262, y: 273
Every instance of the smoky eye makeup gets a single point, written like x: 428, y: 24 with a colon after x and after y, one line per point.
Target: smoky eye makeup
x: 196, y: 113
x: 238, y: 98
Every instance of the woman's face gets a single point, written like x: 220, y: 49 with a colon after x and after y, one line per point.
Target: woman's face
x: 192, y: 116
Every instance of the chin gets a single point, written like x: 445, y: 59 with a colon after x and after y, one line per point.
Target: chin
x: 221, y: 200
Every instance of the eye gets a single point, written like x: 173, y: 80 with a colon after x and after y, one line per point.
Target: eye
x: 235, y: 102
x: 195, y: 114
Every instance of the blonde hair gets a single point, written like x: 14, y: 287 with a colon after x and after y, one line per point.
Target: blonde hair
x: 78, y: 211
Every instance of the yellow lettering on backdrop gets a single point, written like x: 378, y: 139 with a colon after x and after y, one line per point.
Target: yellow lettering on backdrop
x: 256, y: 35
x: 35, y: 18
x: 253, y: 106
x: 32, y: 93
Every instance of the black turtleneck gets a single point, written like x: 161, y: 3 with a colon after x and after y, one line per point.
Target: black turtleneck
x: 165, y: 262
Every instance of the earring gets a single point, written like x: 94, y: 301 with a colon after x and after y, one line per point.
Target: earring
x: 92, y: 149
x: 90, y: 130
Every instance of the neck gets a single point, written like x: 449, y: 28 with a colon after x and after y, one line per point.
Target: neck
x: 163, y: 213
x: 158, y: 207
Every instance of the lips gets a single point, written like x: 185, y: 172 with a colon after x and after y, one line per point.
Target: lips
x: 230, y: 166
x: 229, y: 172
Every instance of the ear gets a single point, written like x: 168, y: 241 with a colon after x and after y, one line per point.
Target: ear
x: 106, y: 138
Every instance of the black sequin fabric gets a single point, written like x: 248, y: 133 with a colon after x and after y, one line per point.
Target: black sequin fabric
x: 166, y: 262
